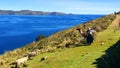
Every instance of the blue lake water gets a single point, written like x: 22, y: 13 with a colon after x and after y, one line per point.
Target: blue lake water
x: 17, y: 31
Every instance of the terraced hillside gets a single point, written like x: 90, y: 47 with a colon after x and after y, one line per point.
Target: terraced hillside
x: 63, y: 50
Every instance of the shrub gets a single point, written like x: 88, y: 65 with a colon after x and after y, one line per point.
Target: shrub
x: 40, y: 37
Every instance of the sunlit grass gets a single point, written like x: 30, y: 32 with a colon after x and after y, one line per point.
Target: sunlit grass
x: 78, y: 57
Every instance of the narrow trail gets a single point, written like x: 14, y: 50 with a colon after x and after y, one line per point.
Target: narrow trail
x: 116, y: 22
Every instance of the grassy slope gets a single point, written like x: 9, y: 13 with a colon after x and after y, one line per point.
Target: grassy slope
x: 79, y: 57
x: 76, y: 57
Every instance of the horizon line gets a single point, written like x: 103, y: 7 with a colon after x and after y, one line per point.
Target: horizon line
x: 58, y: 11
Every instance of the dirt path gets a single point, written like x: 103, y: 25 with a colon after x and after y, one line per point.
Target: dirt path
x: 116, y: 22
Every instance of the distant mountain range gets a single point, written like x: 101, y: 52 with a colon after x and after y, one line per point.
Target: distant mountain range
x: 28, y: 12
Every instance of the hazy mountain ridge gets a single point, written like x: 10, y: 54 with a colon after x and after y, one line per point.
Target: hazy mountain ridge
x: 28, y: 12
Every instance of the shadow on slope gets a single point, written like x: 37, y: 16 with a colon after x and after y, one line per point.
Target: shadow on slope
x: 111, y: 59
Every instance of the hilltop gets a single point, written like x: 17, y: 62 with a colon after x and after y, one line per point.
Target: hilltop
x: 28, y: 12
x: 63, y: 50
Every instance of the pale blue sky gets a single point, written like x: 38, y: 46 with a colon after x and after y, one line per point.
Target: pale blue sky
x: 67, y: 6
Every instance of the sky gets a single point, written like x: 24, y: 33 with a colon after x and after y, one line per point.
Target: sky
x: 66, y: 6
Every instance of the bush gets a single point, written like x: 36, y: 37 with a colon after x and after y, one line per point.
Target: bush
x: 40, y: 37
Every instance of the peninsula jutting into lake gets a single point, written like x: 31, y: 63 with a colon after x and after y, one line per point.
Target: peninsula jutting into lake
x: 28, y: 12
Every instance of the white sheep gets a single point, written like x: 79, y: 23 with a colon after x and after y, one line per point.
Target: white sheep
x: 34, y: 53
x: 22, y: 60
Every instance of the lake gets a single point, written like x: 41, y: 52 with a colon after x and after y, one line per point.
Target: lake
x: 18, y: 30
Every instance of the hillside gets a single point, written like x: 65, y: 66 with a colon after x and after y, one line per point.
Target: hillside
x: 63, y: 50
x: 28, y: 12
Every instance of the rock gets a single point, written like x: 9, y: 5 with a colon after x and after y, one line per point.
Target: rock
x: 43, y: 58
x: 101, y: 43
